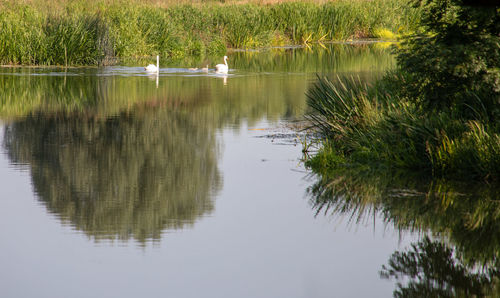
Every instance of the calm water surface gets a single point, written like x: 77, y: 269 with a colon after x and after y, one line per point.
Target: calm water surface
x: 114, y: 183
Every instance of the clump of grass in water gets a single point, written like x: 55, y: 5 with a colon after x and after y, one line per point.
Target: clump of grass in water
x: 342, y: 106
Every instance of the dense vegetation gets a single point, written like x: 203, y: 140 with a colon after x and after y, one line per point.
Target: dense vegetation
x: 438, y: 113
x: 77, y: 32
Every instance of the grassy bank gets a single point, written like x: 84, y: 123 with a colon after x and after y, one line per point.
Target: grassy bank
x: 83, y: 33
x: 371, y: 126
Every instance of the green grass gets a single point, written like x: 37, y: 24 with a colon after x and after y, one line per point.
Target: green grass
x: 369, y: 126
x: 475, y: 153
x: 80, y: 33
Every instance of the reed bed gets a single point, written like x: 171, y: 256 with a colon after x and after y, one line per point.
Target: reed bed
x: 81, y: 33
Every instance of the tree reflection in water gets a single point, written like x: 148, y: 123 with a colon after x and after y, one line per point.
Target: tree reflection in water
x: 129, y: 176
x: 462, y: 256
x: 432, y: 269
x: 150, y: 169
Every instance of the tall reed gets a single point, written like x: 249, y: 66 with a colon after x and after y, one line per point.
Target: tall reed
x: 79, y: 33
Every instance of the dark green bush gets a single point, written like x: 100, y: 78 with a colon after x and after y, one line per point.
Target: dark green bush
x: 455, y: 65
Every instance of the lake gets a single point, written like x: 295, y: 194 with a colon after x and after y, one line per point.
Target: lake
x: 116, y: 183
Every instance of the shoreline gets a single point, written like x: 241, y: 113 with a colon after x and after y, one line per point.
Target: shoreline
x: 240, y: 50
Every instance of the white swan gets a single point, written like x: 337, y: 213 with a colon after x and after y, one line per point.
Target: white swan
x: 152, y: 67
x: 222, y: 68
x: 205, y: 69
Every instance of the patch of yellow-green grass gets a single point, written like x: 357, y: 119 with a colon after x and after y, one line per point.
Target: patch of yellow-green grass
x: 384, y: 34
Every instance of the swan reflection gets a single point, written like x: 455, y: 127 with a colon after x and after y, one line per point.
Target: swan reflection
x: 154, y: 77
x: 224, y: 79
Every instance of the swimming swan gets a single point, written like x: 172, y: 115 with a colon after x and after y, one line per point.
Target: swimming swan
x: 205, y: 69
x: 152, y: 67
x: 222, y: 68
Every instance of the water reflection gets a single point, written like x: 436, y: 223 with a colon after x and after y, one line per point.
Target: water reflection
x: 434, y: 269
x: 258, y: 79
x: 133, y: 175
x: 463, y: 218
x: 334, y: 58
x: 118, y: 156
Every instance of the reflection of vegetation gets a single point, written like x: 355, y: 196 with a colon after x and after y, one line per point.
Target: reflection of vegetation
x: 468, y: 213
x: 467, y: 216
x: 250, y: 97
x: 118, y: 157
x: 128, y: 176
x: 334, y: 58
x: 438, y: 111
x: 433, y: 270
x: 252, y: 93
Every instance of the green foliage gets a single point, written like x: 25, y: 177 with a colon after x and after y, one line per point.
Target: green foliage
x: 476, y: 153
x: 30, y: 37
x: 439, y: 111
x: 340, y: 106
x: 77, y: 33
x: 384, y: 34
x: 216, y: 47
x: 79, y: 40
x: 367, y: 125
x: 371, y: 126
x: 127, y: 37
x: 327, y: 158
x: 22, y: 36
x: 455, y: 65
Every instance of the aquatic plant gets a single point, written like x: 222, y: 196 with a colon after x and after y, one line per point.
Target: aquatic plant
x: 384, y: 34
